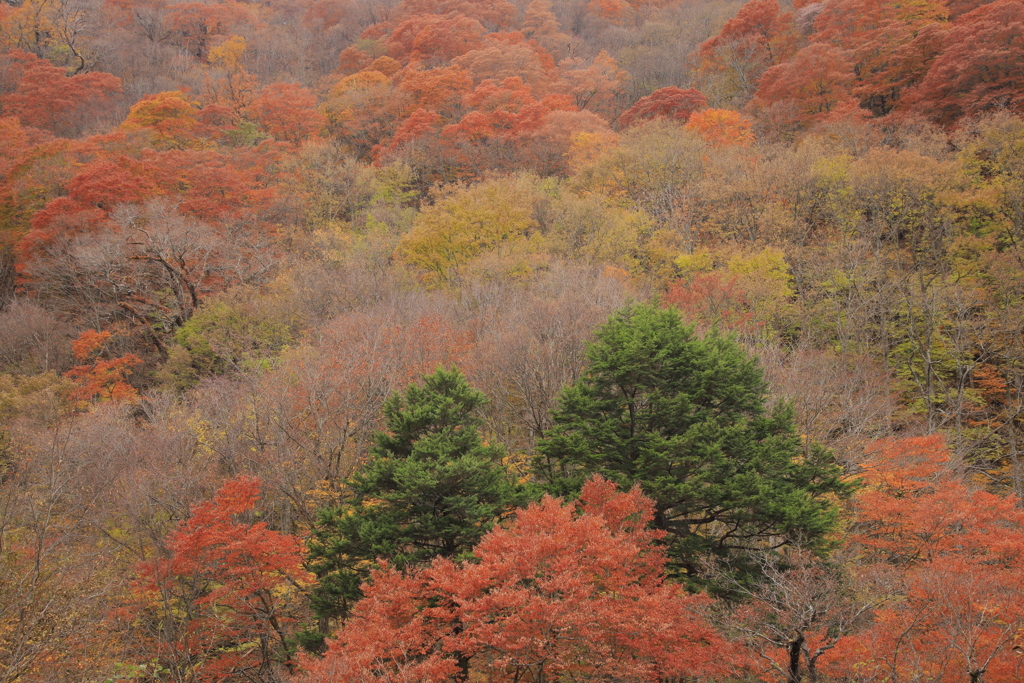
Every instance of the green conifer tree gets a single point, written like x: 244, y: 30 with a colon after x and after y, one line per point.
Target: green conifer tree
x: 430, y: 487
x: 685, y: 417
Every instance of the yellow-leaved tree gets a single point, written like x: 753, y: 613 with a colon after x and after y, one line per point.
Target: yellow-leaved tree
x: 488, y: 229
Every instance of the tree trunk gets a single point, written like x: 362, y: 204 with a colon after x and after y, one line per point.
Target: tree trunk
x: 794, y: 660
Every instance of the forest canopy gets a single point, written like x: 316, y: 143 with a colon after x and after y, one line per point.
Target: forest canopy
x: 375, y: 339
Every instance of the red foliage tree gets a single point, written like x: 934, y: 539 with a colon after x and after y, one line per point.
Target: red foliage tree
x: 758, y: 37
x: 960, y: 7
x: 979, y: 69
x: 495, y: 14
x: 364, y: 110
x: 220, y: 606
x: 594, y: 85
x: 761, y: 22
x: 211, y: 185
x: 352, y: 60
x: 508, y: 55
x: 436, y: 38
x: 961, y: 605
x: 664, y: 103
x: 958, y: 617
x: 541, y: 24
x: 891, y: 44
x: 46, y: 97
x: 489, y: 137
x: 564, y: 591
x: 852, y: 23
x: 159, y: 261
x: 915, y: 508
x: 16, y: 140
x: 26, y: 183
x: 440, y: 89
x: 812, y: 87
x: 415, y: 134
x: 287, y: 111
x: 546, y: 149
x: 883, y: 78
x: 99, y: 378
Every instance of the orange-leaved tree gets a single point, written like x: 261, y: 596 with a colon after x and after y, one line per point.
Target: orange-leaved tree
x: 722, y: 127
x: 979, y: 67
x: 97, y: 377
x: 665, y: 103
x: 150, y: 234
x: 46, y: 97
x: 891, y: 44
x: 959, y: 610
x: 565, y: 591
x: 221, y: 606
x: 812, y: 87
x: 287, y: 111
x: 758, y: 37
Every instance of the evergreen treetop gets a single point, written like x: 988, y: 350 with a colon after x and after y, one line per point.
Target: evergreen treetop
x: 685, y: 417
x: 430, y: 487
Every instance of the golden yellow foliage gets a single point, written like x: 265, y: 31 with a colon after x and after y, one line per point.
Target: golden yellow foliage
x: 228, y: 55
x: 494, y: 216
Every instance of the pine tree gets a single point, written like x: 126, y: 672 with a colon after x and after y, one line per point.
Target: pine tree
x: 430, y: 488
x: 685, y: 417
